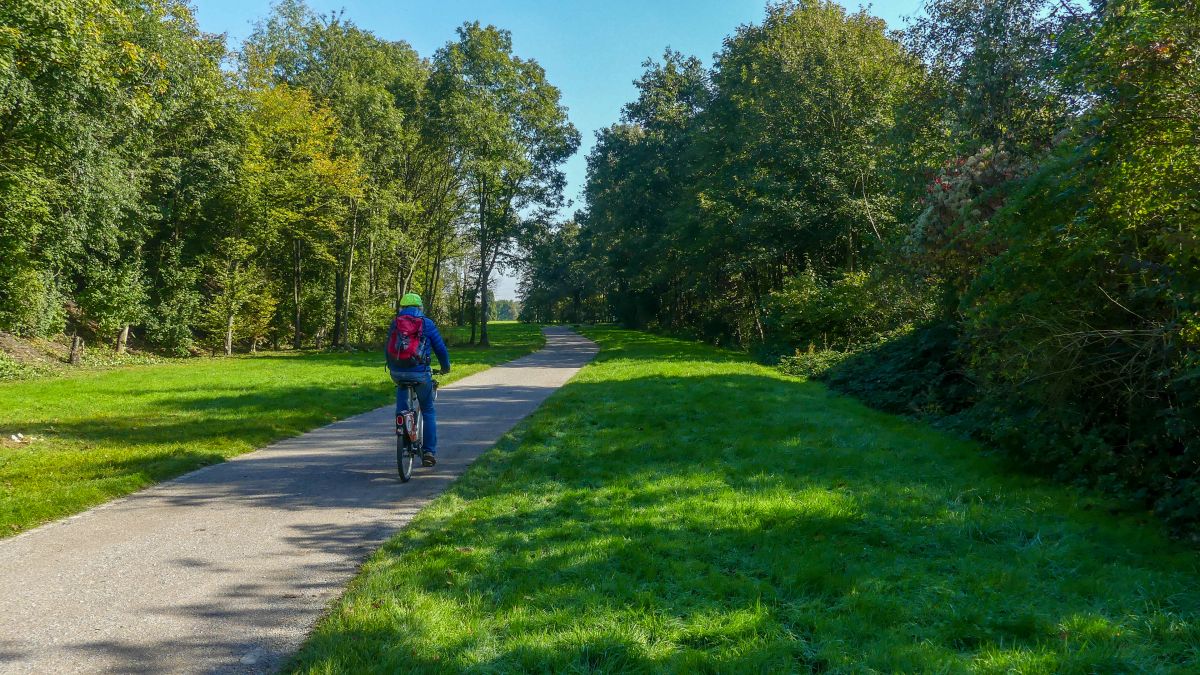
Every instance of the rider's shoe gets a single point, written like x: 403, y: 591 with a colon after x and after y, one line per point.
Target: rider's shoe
x: 428, y: 458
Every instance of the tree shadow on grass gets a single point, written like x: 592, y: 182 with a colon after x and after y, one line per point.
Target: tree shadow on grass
x: 285, y: 488
x: 750, y: 523
x: 188, y: 428
x: 187, y: 432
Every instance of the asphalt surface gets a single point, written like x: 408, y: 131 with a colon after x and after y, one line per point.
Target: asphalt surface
x: 226, y: 569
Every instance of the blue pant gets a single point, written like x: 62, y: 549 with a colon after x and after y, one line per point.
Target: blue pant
x: 425, y: 396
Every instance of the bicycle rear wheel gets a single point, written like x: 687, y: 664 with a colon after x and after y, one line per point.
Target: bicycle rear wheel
x: 408, y: 445
x: 407, y: 450
x: 404, y: 456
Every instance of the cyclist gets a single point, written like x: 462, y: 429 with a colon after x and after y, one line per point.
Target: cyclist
x: 429, y: 340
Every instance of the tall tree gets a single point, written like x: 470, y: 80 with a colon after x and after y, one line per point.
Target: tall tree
x: 294, y: 192
x: 512, y: 134
x: 640, y: 179
x: 376, y: 90
x: 88, y: 92
x: 997, y: 59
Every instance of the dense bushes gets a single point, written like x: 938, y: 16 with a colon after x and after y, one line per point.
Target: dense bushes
x: 916, y: 373
x: 849, y: 312
x: 1084, y: 328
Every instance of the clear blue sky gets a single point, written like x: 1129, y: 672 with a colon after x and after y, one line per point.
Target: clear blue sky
x: 591, y: 49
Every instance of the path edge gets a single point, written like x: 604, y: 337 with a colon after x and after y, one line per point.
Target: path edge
x: 191, y: 475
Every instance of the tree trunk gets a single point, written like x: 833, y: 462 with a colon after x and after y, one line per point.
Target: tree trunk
x: 296, y: 291
x: 474, y: 311
x: 483, y: 310
x: 412, y: 270
x: 339, y: 300
x: 483, y: 272
x: 76, y: 351
x: 343, y: 339
x: 371, y: 281
x: 229, y: 336
x: 400, y: 284
x: 462, y: 303
x: 432, y: 291
x: 122, y: 338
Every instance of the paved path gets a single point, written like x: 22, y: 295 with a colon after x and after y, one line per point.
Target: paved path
x: 227, y: 568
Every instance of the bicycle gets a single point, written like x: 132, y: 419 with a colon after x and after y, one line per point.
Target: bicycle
x: 410, y: 431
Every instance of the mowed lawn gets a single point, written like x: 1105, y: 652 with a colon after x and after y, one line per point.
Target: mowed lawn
x: 106, y: 433
x: 678, y: 509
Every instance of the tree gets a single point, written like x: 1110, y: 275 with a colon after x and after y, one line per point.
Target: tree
x: 234, y: 280
x: 796, y: 151
x: 293, y: 191
x: 89, y: 90
x: 559, y: 281
x: 1087, y: 326
x: 997, y: 60
x: 377, y: 92
x: 511, y: 132
x: 505, y: 310
x: 640, y: 177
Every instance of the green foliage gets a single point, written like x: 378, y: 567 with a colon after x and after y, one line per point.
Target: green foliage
x: 811, y: 364
x: 128, y: 154
x: 10, y: 369
x: 619, y: 530
x: 1083, y: 329
x: 399, y: 224
x: 177, y: 305
x: 559, y: 282
x: 850, y: 312
x: 995, y: 64
x: 505, y: 310
x: 84, y: 87
x: 720, y: 187
x: 113, y: 294
x: 637, y: 177
x: 917, y: 372
x: 514, y: 135
x: 41, y: 310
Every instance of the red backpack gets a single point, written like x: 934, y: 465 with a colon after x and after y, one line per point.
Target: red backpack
x: 404, y: 342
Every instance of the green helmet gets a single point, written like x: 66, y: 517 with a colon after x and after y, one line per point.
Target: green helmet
x: 411, y: 300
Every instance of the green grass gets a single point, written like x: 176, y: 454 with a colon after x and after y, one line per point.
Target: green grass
x: 678, y: 509
x: 102, y: 434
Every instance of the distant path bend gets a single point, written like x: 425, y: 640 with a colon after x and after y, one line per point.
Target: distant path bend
x: 227, y: 568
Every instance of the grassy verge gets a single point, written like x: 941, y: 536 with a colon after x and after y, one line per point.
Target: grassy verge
x: 677, y: 508
x: 101, y: 434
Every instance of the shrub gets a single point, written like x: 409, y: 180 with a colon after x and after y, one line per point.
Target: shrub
x: 918, y: 372
x: 9, y: 368
x: 811, y: 364
x: 852, y: 311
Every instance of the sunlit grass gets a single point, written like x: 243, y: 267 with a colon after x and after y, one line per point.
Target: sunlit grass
x: 102, y: 434
x: 677, y: 508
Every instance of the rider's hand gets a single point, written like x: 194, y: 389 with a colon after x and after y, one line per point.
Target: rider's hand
x: 444, y: 371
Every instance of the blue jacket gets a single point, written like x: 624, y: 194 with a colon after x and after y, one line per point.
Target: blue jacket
x: 433, y: 341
